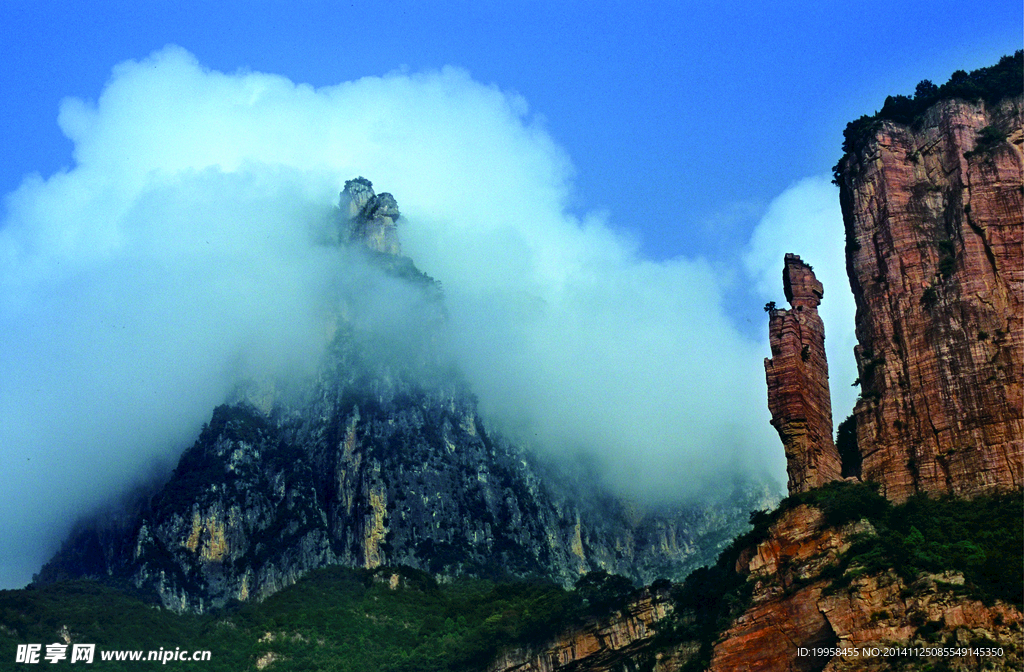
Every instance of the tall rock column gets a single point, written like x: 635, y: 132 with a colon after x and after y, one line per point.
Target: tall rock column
x: 934, y: 227
x: 797, y: 373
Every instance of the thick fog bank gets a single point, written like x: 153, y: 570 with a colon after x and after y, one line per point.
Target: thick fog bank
x: 185, y: 251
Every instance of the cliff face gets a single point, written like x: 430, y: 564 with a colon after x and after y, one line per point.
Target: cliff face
x: 620, y: 643
x: 797, y: 374
x: 795, y: 606
x: 379, y: 459
x: 934, y: 226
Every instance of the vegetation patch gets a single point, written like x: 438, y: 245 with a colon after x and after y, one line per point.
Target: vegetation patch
x: 989, y: 137
x: 846, y: 444
x: 980, y: 538
x: 991, y: 84
x: 947, y: 258
x: 392, y: 619
x: 112, y: 620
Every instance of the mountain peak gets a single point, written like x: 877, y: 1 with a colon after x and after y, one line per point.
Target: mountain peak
x: 369, y: 218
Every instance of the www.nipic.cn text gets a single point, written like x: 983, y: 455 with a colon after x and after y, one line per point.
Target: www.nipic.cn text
x: 86, y: 653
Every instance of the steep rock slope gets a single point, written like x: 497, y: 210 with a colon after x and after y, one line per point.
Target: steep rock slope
x: 799, y: 620
x: 933, y: 213
x: 379, y: 459
x: 934, y: 225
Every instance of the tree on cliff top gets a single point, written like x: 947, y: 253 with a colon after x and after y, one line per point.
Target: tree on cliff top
x: 991, y: 84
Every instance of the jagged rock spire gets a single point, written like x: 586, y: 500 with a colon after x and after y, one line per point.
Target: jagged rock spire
x: 369, y: 218
x: 797, y: 374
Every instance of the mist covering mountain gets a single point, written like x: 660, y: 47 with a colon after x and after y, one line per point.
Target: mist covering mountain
x: 184, y: 251
x: 380, y: 457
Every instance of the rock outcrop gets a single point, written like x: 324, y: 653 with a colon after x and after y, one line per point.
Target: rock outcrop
x: 610, y: 644
x: 797, y: 373
x: 934, y: 227
x: 794, y: 607
x: 369, y: 218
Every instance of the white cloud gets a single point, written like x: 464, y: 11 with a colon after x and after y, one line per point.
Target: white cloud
x: 175, y: 255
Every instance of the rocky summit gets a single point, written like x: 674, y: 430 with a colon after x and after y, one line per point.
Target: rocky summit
x: 380, y: 458
x: 369, y: 218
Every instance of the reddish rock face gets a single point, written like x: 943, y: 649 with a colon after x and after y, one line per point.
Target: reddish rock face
x: 597, y: 646
x: 793, y: 608
x: 934, y: 225
x: 797, y: 375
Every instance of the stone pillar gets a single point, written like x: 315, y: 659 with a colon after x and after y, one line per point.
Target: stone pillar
x: 797, y: 374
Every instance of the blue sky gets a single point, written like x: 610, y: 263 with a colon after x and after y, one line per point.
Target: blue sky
x: 680, y: 118
x: 606, y: 195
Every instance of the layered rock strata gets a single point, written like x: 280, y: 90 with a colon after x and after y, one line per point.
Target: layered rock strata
x: 619, y: 642
x: 934, y: 227
x: 794, y: 610
x: 797, y: 374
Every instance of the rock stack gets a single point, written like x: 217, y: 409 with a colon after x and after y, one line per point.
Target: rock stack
x: 369, y: 218
x: 797, y: 373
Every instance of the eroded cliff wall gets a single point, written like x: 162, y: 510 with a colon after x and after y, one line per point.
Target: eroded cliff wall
x: 934, y: 224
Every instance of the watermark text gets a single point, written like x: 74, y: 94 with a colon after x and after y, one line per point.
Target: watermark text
x: 87, y: 653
